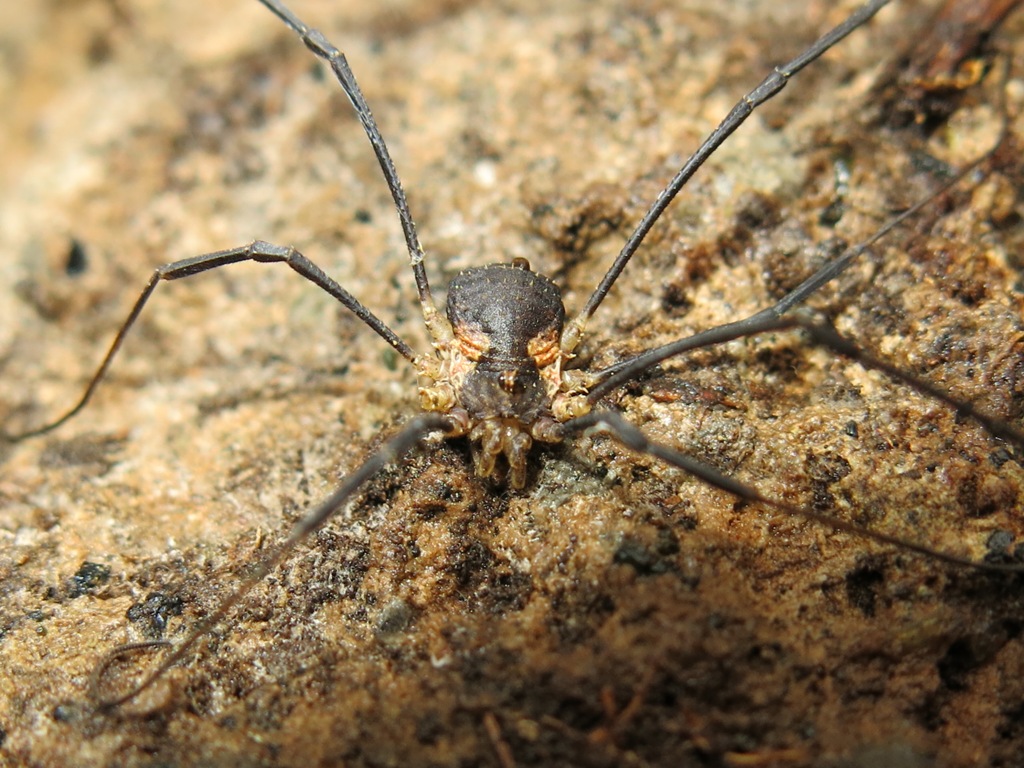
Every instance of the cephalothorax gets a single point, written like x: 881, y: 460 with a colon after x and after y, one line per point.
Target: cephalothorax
x: 499, y: 372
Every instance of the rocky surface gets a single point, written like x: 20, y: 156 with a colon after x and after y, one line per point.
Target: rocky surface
x: 616, y: 612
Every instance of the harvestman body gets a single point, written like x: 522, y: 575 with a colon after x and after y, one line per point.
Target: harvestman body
x: 499, y: 371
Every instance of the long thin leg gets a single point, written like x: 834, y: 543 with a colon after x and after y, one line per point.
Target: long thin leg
x: 633, y: 438
x: 322, y: 47
x: 768, y: 319
x: 772, y: 319
x: 393, y: 450
x: 259, y: 251
x: 825, y: 335
x: 768, y: 88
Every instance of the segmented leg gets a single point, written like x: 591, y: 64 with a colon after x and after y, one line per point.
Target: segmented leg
x: 393, y: 450
x: 634, y: 439
x: 258, y: 251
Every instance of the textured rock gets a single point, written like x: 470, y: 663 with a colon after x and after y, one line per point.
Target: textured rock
x: 614, y: 613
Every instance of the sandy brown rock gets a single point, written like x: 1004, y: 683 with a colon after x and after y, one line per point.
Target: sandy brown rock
x: 614, y: 613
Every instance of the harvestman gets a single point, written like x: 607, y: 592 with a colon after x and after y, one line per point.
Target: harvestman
x: 499, y: 375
